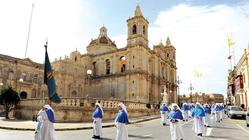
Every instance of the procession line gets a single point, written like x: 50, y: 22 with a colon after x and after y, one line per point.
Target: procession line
x: 243, y: 128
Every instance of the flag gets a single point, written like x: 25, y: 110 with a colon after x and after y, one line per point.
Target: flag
x: 230, y: 42
x: 197, y: 74
x: 229, y: 57
x: 49, y: 79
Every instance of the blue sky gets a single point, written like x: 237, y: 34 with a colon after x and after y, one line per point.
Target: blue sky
x: 197, y: 28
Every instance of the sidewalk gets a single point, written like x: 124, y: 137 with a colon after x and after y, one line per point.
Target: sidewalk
x: 14, y: 124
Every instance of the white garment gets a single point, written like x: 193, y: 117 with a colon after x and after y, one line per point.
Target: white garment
x: 47, y: 130
x: 97, y: 127
x: 176, y: 131
x: 217, y: 116
x: 122, y: 133
x: 207, y: 119
x: 164, y: 117
x: 185, y: 114
x: 221, y: 115
x: 38, y: 129
x: 198, y: 125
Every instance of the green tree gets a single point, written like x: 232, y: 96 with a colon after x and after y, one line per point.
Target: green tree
x: 9, y: 98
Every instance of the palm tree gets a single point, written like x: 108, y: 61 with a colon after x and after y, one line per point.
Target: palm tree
x: 9, y: 98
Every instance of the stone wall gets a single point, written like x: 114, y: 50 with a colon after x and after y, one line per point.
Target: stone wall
x: 80, y: 109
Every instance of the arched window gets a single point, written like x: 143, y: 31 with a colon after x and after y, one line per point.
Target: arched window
x: 33, y: 95
x: 134, y: 29
x: 23, y: 95
x: 144, y: 30
x: 10, y: 74
x: 75, y: 58
x: 122, y: 62
x: 74, y: 94
x: 94, y: 68
x: 108, y: 66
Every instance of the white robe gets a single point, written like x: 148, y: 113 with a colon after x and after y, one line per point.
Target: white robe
x: 185, y: 114
x: 47, y: 130
x: 198, y: 125
x: 122, y: 133
x: 217, y: 116
x: 176, y: 131
x: 207, y: 119
x: 97, y: 127
x: 38, y: 129
x: 164, y: 117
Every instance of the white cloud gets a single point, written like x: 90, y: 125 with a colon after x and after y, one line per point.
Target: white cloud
x: 199, y: 34
x: 57, y: 20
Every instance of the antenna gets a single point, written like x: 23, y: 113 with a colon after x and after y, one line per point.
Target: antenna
x: 27, y: 43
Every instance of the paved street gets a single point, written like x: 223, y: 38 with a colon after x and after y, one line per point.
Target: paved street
x: 227, y: 130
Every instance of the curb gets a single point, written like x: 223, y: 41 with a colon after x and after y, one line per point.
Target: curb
x: 80, y: 128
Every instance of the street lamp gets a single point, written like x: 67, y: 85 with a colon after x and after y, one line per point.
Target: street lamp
x: 89, y: 74
x: 165, y: 95
x: 178, y: 82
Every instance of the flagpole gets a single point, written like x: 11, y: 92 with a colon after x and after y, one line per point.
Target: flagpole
x: 229, y: 51
x: 27, y: 43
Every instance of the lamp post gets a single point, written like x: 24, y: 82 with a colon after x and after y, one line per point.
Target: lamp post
x: 191, y: 88
x: 89, y: 74
x: 165, y: 95
x: 178, y: 82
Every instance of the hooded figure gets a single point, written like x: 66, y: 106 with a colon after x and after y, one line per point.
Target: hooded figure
x: 120, y: 122
x: 217, y: 110
x: 207, y: 119
x: 198, y: 114
x: 185, y: 109
x: 164, y: 113
x: 97, y: 121
x: 175, y: 115
x: 45, y: 128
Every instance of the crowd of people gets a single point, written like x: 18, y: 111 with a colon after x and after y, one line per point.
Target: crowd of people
x: 203, y: 116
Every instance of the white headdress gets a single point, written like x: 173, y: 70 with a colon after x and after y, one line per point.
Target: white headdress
x: 101, y: 108
x: 47, y: 106
x: 174, y: 104
x: 123, y: 107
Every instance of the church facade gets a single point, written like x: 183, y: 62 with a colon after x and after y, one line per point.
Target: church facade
x: 133, y: 73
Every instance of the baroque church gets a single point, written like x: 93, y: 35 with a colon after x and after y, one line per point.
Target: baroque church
x: 133, y: 73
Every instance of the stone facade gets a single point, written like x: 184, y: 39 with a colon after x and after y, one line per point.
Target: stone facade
x: 201, y: 98
x: 133, y: 73
x: 24, y: 75
x: 238, y: 84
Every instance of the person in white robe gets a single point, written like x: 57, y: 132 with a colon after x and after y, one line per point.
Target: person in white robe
x: 47, y: 123
x: 198, y: 114
x: 120, y: 123
x: 97, y: 121
x: 39, y: 126
x: 185, y: 109
x: 164, y: 113
x: 217, y: 112
x: 175, y: 116
x: 207, y: 119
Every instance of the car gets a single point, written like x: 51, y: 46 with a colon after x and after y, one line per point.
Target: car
x: 247, y: 117
x: 236, y: 111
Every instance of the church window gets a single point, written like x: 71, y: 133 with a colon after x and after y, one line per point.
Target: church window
x: 144, y: 30
x: 10, y: 74
x: 108, y: 66
x: 167, y: 55
x: 74, y: 94
x: 134, y: 29
x: 75, y: 59
x: 94, y: 68
x: 122, y: 62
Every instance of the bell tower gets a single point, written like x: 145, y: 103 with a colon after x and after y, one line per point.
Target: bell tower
x: 137, y: 29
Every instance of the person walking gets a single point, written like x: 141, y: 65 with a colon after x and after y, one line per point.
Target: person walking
x: 97, y: 121
x: 175, y: 116
x: 120, y: 123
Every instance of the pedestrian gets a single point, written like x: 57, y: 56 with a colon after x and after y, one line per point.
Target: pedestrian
x: 185, y: 109
x: 198, y: 114
x: 120, y: 123
x: 221, y: 108
x: 46, y: 120
x: 97, y: 121
x: 207, y: 119
x: 217, y: 112
x: 175, y: 116
x: 164, y: 113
